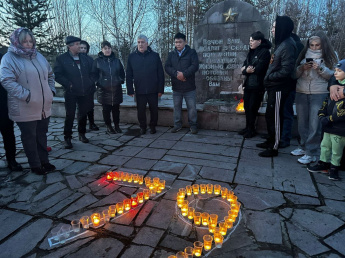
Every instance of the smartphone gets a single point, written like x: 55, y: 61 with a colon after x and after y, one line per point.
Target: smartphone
x: 308, y: 60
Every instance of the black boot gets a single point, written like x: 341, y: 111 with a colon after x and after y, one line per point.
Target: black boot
x: 39, y: 171
x: 83, y: 138
x: 110, y: 129
x: 13, y: 165
x: 334, y: 173
x: 68, y: 143
x: 93, y: 127
x: 118, y: 129
x: 48, y: 167
x: 153, y: 130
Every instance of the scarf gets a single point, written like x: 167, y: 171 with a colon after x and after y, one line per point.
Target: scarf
x: 315, y: 54
x: 18, y: 49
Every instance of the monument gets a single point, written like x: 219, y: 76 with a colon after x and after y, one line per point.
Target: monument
x: 222, y: 42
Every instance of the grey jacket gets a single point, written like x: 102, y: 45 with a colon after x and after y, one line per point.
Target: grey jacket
x: 312, y: 81
x: 30, y: 86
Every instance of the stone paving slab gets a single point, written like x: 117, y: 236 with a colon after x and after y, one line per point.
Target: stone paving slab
x: 217, y: 174
x: 83, y: 202
x: 62, y: 204
x: 41, y: 206
x: 162, y: 144
x: 83, y: 156
x: 167, y: 166
x: 52, y: 189
x: 10, y: 221
x: 200, y: 162
x: 138, y: 251
x: 129, y: 151
x: 336, y: 241
x: 148, y: 236
x: 175, y: 243
x: 151, y: 153
x: 140, y: 163
x: 76, y: 167
x: 120, y: 229
x: 144, y: 213
x: 54, y: 178
x: 162, y: 214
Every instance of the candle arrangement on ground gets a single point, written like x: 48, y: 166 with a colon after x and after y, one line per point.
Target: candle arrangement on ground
x: 187, y: 207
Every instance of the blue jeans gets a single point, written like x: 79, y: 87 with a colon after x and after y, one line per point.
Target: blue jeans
x: 309, y: 127
x: 288, y: 119
x: 190, y: 100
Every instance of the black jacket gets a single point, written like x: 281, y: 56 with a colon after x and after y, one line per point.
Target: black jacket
x: 109, y: 73
x: 74, y: 80
x: 260, y: 59
x: 146, y: 71
x: 188, y: 64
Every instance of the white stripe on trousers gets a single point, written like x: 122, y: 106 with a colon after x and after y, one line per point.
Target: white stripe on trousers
x: 277, y: 120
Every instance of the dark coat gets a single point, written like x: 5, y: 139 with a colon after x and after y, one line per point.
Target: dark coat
x: 188, y: 64
x: 145, y: 70
x: 76, y: 81
x: 260, y: 59
x: 109, y: 73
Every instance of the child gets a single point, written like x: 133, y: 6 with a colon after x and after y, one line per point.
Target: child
x: 332, y: 118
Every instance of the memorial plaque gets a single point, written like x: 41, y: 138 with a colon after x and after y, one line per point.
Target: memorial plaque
x: 222, y: 42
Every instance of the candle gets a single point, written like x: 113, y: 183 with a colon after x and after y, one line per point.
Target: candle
x: 112, y: 211
x: 122, y: 176
x: 189, y: 190
x: 180, y: 200
x: 106, y: 215
x: 198, y: 248
x: 110, y: 176
x: 204, y: 217
x: 119, y: 207
x: 140, y: 197
x: 213, y: 219
x: 151, y: 186
x: 224, y: 192
x: 153, y: 191
x: 197, y: 218
x: 230, y: 196
x: 156, y: 181
x: 217, y: 189
x: 127, y: 204
x: 233, y: 201
x: 180, y: 254
x: 135, y: 178
x: 184, y: 210
x: 207, y: 242
x: 218, y: 240
x: 188, y: 252
x: 130, y: 178
x: 146, y: 194
x: 85, y: 222
x: 211, y: 228
x: 209, y: 188
x: 95, y: 219
x: 182, y: 192
x: 134, y: 200
x: 202, y: 188
x: 141, y: 179
x: 147, y: 181
x: 223, y: 228
x: 236, y: 207
x: 125, y: 177
x: 195, y: 189
x: 116, y: 176
x: 162, y: 184
x: 190, y: 213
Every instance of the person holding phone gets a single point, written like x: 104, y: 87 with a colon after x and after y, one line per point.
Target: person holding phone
x: 315, y: 68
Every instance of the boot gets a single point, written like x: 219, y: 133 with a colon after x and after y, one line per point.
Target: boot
x: 118, y: 129
x: 83, y: 138
x: 93, y: 127
x: 68, y: 143
x: 39, y: 171
x: 110, y: 129
x: 48, y: 167
x: 13, y: 165
x: 334, y: 173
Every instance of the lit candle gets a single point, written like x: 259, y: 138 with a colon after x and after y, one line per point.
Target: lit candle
x: 188, y: 252
x: 162, y: 184
x: 230, y: 196
x: 146, y: 194
x: 223, y: 228
x: 218, y: 240
x: 217, y: 189
x: 140, y: 197
x: 85, y: 222
x: 147, y: 181
x: 184, y: 210
x: 214, y: 219
x: 180, y: 201
x: 141, y: 179
x: 204, y: 217
x: 224, y: 192
x: 110, y: 176
x: 197, y: 218
x: 202, y: 188
x: 156, y: 181
x: 195, y: 189
x: 209, y: 188
x: 116, y: 176
x: 112, y: 211
x: 190, y: 213
x: 198, y: 248
x: 135, y: 178
x: 134, y: 200
x: 211, y: 228
x: 96, y: 219
x: 119, y: 207
x: 151, y: 186
x: 153, y: 191
x: 182, y: 192
x: 122, y: 176
x: 189, y: 190
x: 127, y: 204
x: 130, y: 178
x: 207, y: 242
x: 236, y: 207
x: 125, y: 177
x: 233, y: 201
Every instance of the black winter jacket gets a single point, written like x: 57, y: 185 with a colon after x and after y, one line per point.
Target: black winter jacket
x: 188, y: 64
x: 146, y: 71
x: 74, y: 80
x: 260, y: 59
x: 109, y: 73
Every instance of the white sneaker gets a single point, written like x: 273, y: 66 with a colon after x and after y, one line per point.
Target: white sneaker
x: 306, y: 159
x: 298, y: 152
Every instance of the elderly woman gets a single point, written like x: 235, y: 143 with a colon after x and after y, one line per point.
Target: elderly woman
x: 29, y: 81
x: 315, y: 67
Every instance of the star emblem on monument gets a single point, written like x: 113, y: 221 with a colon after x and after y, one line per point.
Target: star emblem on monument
x: 230, y: 16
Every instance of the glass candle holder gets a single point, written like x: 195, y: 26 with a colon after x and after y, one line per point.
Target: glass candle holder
x: 214, y: 219
x: 230, y: 195
x: 233, y: 201
x: 224, y: 192
x: 146, y: 194
x: 75, y: 226
x: 130, y: 178
x: 211, y: 228
x: 162, y: 184
x: 172, y: 256
x: 119, y: 207
x: 147, y: 181
x: 96, y: 219
x: 116, y: 176
x: 135, y: 178
x: 127, y: 204
x: 190, y: 213
x: 236, y: 207
x: 153, y: 191
x: 158, y: 189
x: 216, y: 189
x: 106, y: 215
x: 204, y: 218
x: 229, y: 224
x: 151, y: 186
x: 122, y: 176
x: 202, y: 188
x: 182, y: 192
x: 197, y: 218
x: 184, y: 210
x: 85, y: 222
x: 110, y: 176
x: 198, y: 248
x: 188, y: 252
x: 134, y: 200
x: 125, y: 177
x: 207, y: 242
x: 209, y: 188
x: 112, y: 211
x: 140, y: 179
x: 230, y: 216
x: 156, y: 181
x: 140, y: 197
x: 218, y: 240
x: 195, y: 189
x: 223, y: 228
x: 180, y: 200
x: 189, y: 190
x: 180, y: 254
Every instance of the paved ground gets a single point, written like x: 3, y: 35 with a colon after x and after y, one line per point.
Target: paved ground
x: 287, y: 212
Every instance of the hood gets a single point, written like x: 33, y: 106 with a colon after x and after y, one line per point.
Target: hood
x: 265, y: 43
x: 101, y: 55
x: 284, y: 28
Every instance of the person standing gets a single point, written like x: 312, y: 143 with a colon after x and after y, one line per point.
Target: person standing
x: 84, y: 49
x: 278, y: 82
x: 7, y: 132
x: 73, y: 72
x: 29, y: 81
x: 181, y: 65
x: 145, y: 70
x: 110, y: 76
x: 254, y: 68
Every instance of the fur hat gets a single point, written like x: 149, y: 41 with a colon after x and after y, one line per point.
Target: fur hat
x: 341, y: 65
x: 71, y: 39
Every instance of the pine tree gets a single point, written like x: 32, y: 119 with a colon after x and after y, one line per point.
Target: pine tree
x: 34, y: 15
